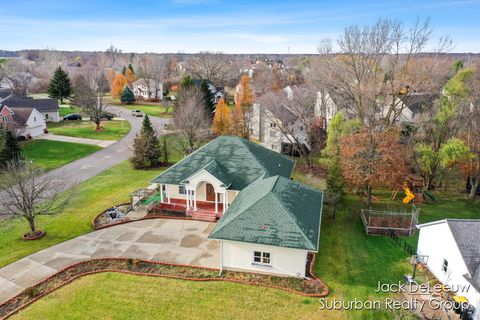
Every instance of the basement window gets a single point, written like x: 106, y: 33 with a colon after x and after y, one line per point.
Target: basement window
x: 262, y: 258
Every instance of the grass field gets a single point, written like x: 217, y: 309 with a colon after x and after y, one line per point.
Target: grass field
x: 118, y: 296
x: 112, y: 130
x: 53, y: 154
x: 66, y: 110
x: 152, y: 109
x: 93, y: 196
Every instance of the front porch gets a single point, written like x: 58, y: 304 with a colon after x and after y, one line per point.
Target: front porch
x: 204, y: 210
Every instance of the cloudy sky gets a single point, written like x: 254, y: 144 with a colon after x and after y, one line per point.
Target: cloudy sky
x: 242, y: 26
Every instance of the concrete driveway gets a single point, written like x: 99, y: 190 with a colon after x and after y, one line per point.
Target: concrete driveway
x: 163, y: 240
x: 95, y: 142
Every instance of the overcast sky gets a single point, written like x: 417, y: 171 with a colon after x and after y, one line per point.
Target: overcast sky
x: 242, y: 26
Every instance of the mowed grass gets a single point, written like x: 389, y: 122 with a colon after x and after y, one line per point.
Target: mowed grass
x: 152, y: 109
x: 66, y: 110
x: 112, y: 130
x: 92, y: 197
x: 53, y: 154
x: 121, y: 296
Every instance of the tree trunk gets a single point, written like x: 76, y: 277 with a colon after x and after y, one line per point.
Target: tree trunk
x: 369, y: 197
x: 98, y: 127
x: 61, y: 100
x: 473, y: 191
x: 31, y: 223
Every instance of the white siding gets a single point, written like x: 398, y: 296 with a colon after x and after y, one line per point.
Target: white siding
x: 284, y: 261
x: 51, y: 116
x: 437, y: 242
x: 35, y: 124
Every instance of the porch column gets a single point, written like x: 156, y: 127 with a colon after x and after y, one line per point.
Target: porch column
x: 188, y: 198
x: 216, y: 202
x: 161, y: 193
x: 168, y: 194
x: 224, y: 201
x: 195, y: 200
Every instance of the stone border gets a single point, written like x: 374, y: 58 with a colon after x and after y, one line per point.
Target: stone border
x: 70, y: 280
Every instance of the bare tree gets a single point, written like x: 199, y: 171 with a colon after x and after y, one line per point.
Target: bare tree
x: 152, y: 68
x: 191, y: 121
x: 294, y: 116
x: 375, y: 65
x: 18, y: 74
x: 213, y: 66
x: 27, y: 192
x: 89, y: 90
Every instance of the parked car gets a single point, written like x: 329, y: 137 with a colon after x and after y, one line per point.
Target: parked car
x: 137, y: 113
x: 72, y: 116
x: 106, y: 115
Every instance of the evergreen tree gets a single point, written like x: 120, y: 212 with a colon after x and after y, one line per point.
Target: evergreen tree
x: 187, y: 82
x: 335, y: 193
x: 124, y: 70
x: 131, y: 68
x: 127, y: 96
x: 10, y: 150
x: 209, y: 98
x: 60, y: 86
x: 147, y: 151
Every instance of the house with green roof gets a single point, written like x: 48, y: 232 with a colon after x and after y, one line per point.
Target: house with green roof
x: 266, y: 221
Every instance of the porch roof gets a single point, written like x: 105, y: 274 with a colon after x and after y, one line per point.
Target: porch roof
x: 230, y: 158
x: 216, y: 170
x: 274, y: 211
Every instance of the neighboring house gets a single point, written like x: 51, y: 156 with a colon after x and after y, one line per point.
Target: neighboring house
x: 325, y: 107
x: 409, y: 108
x: 452, y: 248
x: 26, y: 122
x: 268, y: 223
x: 4, y: 93
x: 49, y: 108
x: 145, y: 88
x: 264, y: 128
x: 218, y: 92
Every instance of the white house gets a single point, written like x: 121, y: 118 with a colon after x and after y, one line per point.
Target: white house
x: 146, y: 88
x: 26, y: 122
x: 409, y: 108
x: 49, y: 108
x: 267, y: 222
x: 452, y: 247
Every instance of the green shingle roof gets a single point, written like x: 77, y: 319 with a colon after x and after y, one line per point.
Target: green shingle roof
x: 273, y: 211
x: 230, y: 158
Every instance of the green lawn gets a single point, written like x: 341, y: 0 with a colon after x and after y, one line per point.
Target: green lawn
x: 53, y: 154
x: 120, y: 296
x: 66, y: 110
x: 93, y: 196
x: 112, y: 130
x: 152, y: 109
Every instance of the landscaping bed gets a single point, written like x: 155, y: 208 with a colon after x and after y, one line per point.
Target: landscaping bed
x: 112, y: 215
x: 308, y: 287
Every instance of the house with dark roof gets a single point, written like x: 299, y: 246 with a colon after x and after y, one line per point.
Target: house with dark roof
x: 409, y: 107
x: 49, y: 108
x: 452, y: 252
x: 266, y: 222
x: 24, y: 122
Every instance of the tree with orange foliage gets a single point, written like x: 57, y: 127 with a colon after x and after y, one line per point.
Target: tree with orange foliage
x: 118, y: 84
x: 110, y: 76
x: 238, y: 127
x: 244, y: 99
x: 222, y: 121
x: 130, y: 76
x: 373, y: 159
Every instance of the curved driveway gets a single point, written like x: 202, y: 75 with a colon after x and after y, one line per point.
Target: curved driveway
x: 91, y: 165
x: 163, y: 240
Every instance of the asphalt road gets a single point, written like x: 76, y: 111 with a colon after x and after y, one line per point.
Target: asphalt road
x: 95, y: 163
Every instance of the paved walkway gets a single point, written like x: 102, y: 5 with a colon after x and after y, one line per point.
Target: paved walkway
x: 163, y: 240
x: 96, y: 142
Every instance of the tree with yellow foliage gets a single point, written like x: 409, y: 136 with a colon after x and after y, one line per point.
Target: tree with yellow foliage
x: 130, y: 76
x: 222, y: 121
x: 244, y: 100
x: 118, y: 84
x: 238, y: 124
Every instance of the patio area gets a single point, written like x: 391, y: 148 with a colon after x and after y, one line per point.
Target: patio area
x: 205, y: 211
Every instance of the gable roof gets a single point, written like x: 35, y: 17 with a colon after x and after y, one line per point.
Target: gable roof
x: 274, y: 211
x: 465, y: 232
x: 5, y: 92
x: 230, y: 158
x: 41, y: 105
x: 20, y: 115
x: 417, y: 102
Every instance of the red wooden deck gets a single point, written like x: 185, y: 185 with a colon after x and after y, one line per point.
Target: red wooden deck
x: 205, y: 210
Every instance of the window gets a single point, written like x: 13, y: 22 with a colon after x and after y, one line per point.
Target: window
x: 272, y: 125
x: 274, y: 146
x: 445, y: 265
x: 273, y: 134
x: 35, y: 119
x: 182, y: 190
x: 5, y: 119
x: 46, y: 116
x: 260, y: 257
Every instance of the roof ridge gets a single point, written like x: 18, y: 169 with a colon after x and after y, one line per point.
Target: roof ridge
x: 295, y: 222
x: 243, y: 141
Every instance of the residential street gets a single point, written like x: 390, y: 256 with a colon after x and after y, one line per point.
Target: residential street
x: 89, y: 166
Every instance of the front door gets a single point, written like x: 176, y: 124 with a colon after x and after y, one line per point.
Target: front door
x: 210, y: 192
